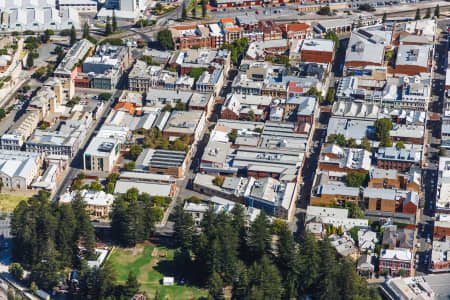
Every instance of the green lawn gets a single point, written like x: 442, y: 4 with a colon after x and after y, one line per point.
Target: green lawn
x: 151, y: 270
x: 9, y: 202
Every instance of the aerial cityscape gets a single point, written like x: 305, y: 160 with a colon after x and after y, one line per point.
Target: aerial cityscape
x: 224, y: 149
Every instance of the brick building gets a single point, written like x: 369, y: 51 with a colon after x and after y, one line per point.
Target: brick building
x: 391, y: 261
x: 317, y: 50
x: 399, y: 159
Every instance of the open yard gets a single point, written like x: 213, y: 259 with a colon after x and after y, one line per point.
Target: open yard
x: 9, y: 202
x: 150, y: 266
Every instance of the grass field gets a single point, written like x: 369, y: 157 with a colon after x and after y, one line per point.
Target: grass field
x: 151, y: 270
x: 9, y: 202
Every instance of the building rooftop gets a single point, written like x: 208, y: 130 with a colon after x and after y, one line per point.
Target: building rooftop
x: 321, y: 45
x: 413, y: 55
x: 151, y: 188
x: 183, y: 122
x: 100, y: 146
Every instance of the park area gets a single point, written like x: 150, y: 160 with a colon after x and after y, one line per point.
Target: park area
x: 151, y: 264
x: 9, y: 202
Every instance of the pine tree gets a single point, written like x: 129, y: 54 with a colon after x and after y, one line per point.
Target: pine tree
x: 428, y: 13
x: 238, y: 223
x: 288, y: 262
x: 85, y: 30
x: 183, y: 12
x: 194, y: 11
x: 73, y: 36
x: 184, y: 228
x: 108, y: 28
x: 437, y: 11
x: 204, y: 8
x: 327, y: 287
x: 265, y: 280
x: 215, y: 287
x: 384, y: 18
x: 259, y: 238
x: 30, y: 60
x: 114, y: 21
x: 417, y: 17
x: 309, y: 263
x: 132, y: 286
x: 106, y: 277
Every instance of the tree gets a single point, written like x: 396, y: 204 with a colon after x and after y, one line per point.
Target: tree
x: 382, y: 128
x: 288, y: 262
x: 259, y: 236
x: 73, y: 36
x: 33, y: 287
x: 215, y: 287
x: 232, y: 135
x: 331, y: 35
x: 340, y: 140
x: 85, y: 30
x: 108, y: 27
x: 437, y: 12
x: 417, y: 17
x: 204, y: 8
x: 355, y: 179
x: 114, y: 21
x: 135, y: 151
x: 330, y: 95
x: 132, y: 286
x: 30, y: 60
x: 184, y: 228
x: 427, y: 13
x: 165, y: 39
x: 196, y: 72
x: 129, y: 166
x: 384, y: 18
x: 324, y: 11
x: 183, y: 12
x: 386, y: 142
x: 351, y: 143
x: 251, y: 115
x: 96, y: 186
x: 442, y: 151
x: 218, y: 180
x: 2, y: 113
x: 366, y: 7
x: 104, y: 96
x: 16, y: 271
x: 194, y: 11
x: 400, y: 145
x: 265, y: 280
x: 365, y: 144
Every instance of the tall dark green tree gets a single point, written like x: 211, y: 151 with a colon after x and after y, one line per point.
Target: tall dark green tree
x: 417, y: 17
x: 30, y: 60
x: 239, y: 225
x: 84, y: 232
x: 288, y: 262
x: 108, y: 27
x: 183, y: 12
x: 259, y: 237
x: 184, y: 228
x: 427, y: 13
x: 85, y: 30
x: 309, y: 263
x: 204, y: 8
x: 384, y: 18
x: 165, y: 39
x: 132, y: 286
x: 265, y: 280
x: 73, y: 36
x: 114, y: 21
x: 194, y: 11
x: 215, y: 287
x: 437, y: 11
x: 327, y: 287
